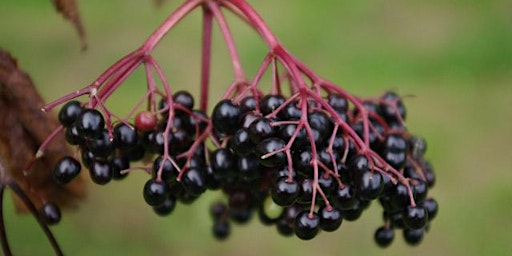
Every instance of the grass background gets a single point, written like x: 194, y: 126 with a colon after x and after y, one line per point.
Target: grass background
x: 455, y: 57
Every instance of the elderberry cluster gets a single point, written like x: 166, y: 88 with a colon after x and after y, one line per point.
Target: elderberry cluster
x: 288, y: 161
x: 267, y: 167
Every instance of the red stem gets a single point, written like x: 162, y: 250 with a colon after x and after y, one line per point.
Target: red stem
x: 206, y: 58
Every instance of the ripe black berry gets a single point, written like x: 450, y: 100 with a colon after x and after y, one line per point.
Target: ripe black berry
x: 155, y: 192
x: 218, y: 210
x: 248, y: 104
x: 125, y: 137
x: 344, y: 198
x: 337, y: 102
x: 50, y: 213
x: 284, y: 191
x: 168, y: 170
x: 101, y: 146
x: 432, y: 207
x: 302, y: 162
x: 226, y: 117
x: 384, y: 236
x: 69, y: 113
x: 289, y: 112
x: 101, y: 172
x: 184, y: 99
x: 193, y: 181
x: 72, y: 135
x: 119, y: 164
x: 306, y: 226
x: 260, y: 129
x: 415, y: 217
x: 221, y: 229
x: 271, y: 145
x: 269, y: 103
x: 330, y: 218
x: 222, y: 161
x: 240, y: 143
x: 90, y: 123
x: 66, y: 169
x: 413, y: 236
x: 165, y: 208
x: 248, y: 167
x: 369, y: 184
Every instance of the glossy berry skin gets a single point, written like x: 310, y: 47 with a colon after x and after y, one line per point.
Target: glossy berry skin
x: 241, y: 143
x: 413, y: 236
x: 165, y: 208
x: 194, y: 181
x: 260, y: 129
x: 155, y: 192
x: 125, y: 137
x: 289, y: 112
x: 305, y: 191
x: 395, y: 142
x: 420, y: 189
x: 353, y: 213
x: 285, y: 192
x: 344, y: 198
x: 399, y: 196
x: 101, y: 146
x: 359, y: 163
x: 145, y: 121
x: 222, y: 161
x: 268, y: 146
x: 226, y: 117
x: 66, y: 170
x: 337, y: 102
x: 369, y: 185
x: 415, y: 217
x: 384, y: 236
x: 248, y: 167
x: 302, y: 162
x: 90, y: 123
x: 432, y: 207
x: 184, y: 99
x: 269, y: 103
x: 248, y: 104
x: 306, y: 228
x: 320, y: 122
x: 101, y: 172
x: 168, y: 171
x: 50, y: 213
x: 119, y: 164
x: 330, y: 218
x: 72, y: 135
x: 69, y: 113
x: 391, y: 107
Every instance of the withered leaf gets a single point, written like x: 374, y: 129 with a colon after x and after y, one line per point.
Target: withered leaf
x: 69, y: 9
x: 23, y: 128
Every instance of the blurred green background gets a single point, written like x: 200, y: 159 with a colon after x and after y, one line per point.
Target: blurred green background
x: 454, y: 57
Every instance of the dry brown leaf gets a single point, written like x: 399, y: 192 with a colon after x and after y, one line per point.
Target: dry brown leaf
x: 69, y: 9
x: 23, y: 128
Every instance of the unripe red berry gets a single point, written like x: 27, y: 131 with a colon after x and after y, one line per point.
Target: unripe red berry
x: 145, y: 121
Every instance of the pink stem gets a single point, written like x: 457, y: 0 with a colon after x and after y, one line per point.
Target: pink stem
x: 206, y: 58
x: 230, y: 42
x: 169, y: 23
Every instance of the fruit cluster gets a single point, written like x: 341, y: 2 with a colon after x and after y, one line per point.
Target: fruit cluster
x: 302, y: 162
x: 287, y: 160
